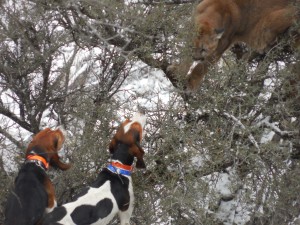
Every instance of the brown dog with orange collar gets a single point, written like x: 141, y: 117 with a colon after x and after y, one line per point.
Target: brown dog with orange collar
x: 34, y: 193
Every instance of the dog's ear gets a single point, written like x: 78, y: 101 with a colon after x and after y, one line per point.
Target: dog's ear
x: 56, y: 163
x: 58, y: 139
x: 138, y: 152
x: 140, y: 164
x: 135, y: 136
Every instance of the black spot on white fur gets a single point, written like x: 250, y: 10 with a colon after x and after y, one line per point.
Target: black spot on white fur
x: 119, y: 187
x: 87, y: 214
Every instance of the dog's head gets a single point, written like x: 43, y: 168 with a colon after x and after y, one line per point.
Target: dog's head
x: 130, y: 133
x: 49, y: 142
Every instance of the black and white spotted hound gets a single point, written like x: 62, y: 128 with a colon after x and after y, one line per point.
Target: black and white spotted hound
x: 33, y: 192
x: 112, y: 192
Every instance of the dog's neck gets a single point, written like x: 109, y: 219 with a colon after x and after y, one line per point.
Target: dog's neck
x: 39, y: 158
x: 121, y: 161
x: 122, y: 154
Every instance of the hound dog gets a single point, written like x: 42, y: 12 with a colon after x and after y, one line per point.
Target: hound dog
x: 33, y: 191
x: 112, y: 192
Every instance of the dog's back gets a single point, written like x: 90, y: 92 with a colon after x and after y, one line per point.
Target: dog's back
x: 27, y: 203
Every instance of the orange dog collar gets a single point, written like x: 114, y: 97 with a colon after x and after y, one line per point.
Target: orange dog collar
x: 38, y: 158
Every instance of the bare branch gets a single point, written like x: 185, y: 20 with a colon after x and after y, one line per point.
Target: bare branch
x: 241, y: 125
x: 11, y: 138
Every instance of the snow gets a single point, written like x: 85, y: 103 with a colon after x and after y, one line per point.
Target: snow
x: 145, y: 87
x: 233, y: 212
x: 267, y: 136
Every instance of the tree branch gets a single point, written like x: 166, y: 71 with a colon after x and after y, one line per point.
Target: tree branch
x: 241, y: 125
x: 11, y: 138
x: 4, y: 111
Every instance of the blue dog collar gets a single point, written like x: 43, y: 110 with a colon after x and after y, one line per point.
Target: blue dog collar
x: 118, y: 170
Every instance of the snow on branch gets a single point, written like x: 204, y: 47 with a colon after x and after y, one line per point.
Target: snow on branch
x: 241, y: 125
x: 266, y: 122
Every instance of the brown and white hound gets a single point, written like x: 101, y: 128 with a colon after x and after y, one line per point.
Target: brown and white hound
x: 112, y: 192
x: 33, y: 192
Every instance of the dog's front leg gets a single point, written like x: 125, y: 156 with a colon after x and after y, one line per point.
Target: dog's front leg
x: 51, y: 195
x: 125, y: 217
